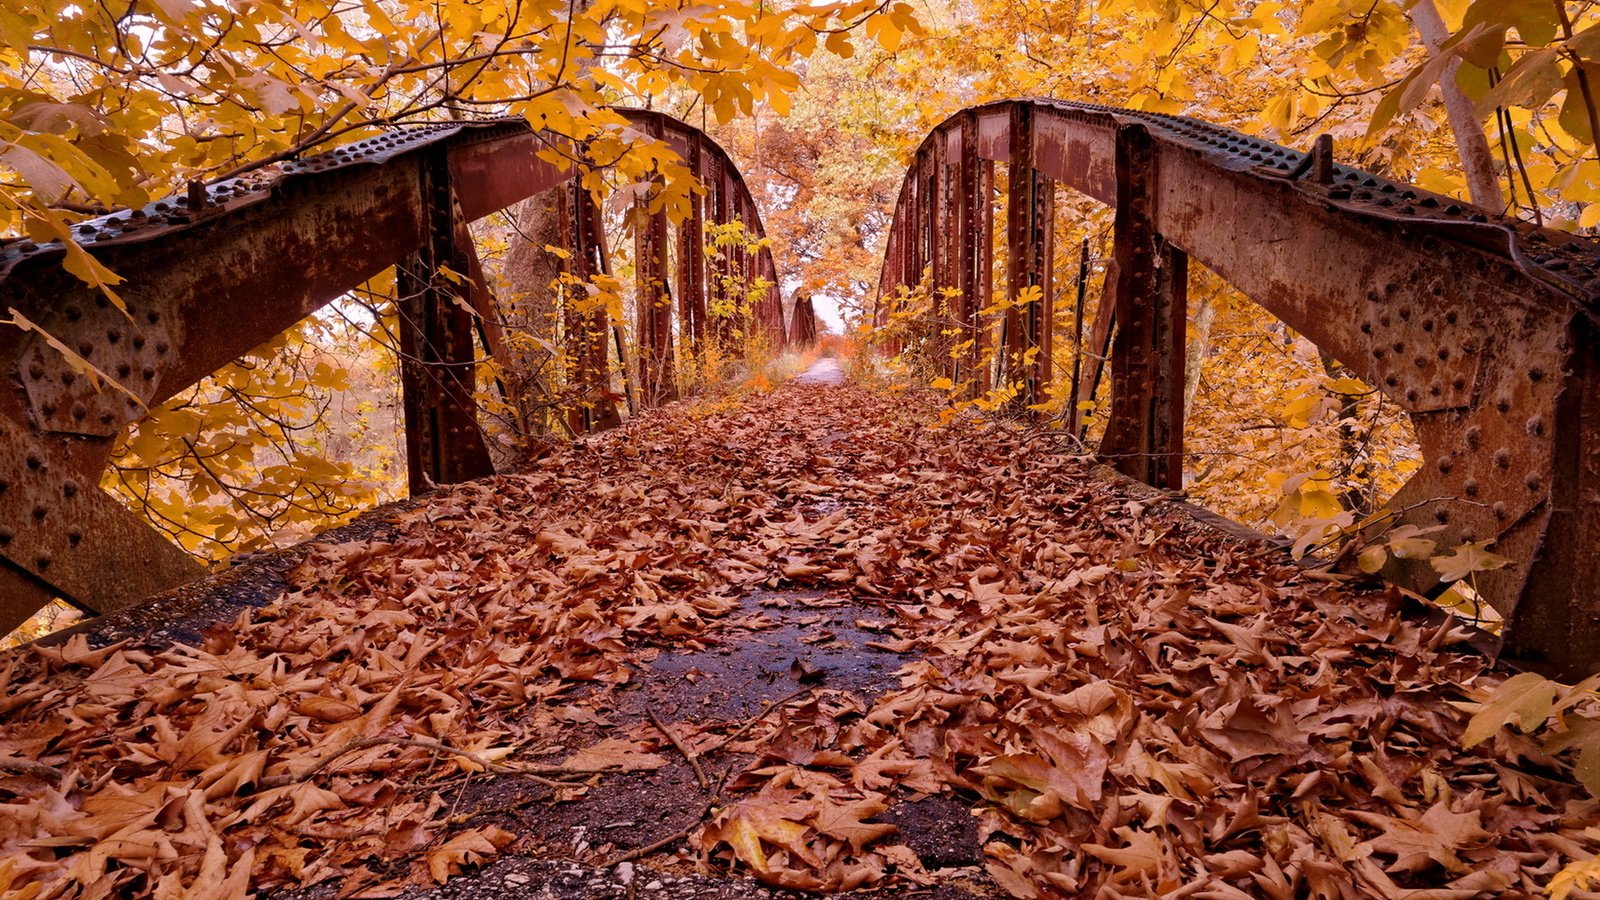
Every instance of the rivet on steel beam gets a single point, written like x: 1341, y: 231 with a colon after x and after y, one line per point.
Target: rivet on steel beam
x: 1470, y: 487
x: 1536, y: 426
x: 161, y: 347
x: 1532, y: 481
x: 49, y: 409
x: 1384, y: 320
x: 1502, y: 404
x: 113, y: 336
x: 79, y: 411
x: 74, y: 314
x: 1420, y: 361
x: 1427, y: 324
x: 1366, y: 327
x: 138, y: 342
x: 1444, y: 353
x: 69, y: 489
x: 5, y: 536
x: 34, y: 462
x: 68, y: 378
x: 1441, y: 515
x: 1473, y: 436
x: 1459, y: 384
x: 1536, y: 374
x: 1502, y: 458
x: 1499, y: 510
x: 1411, y: 395
x: 39, y: 512
x: 148, y: 372
x: 3, y: 485
x: 36, y: 369
x: 1446, y: 463
x: 74, y: 538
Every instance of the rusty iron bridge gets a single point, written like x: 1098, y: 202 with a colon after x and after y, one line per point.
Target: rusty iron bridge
x: 1482, y: 328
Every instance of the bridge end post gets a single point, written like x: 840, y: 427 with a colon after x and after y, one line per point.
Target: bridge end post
x: 444, y: 442
x: 1144, y: 428
x: 1556, y: 620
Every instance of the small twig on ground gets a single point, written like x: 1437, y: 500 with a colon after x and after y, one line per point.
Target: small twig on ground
x: 434, y: 747
x: 717, y: 794
x: 688, y: 755
x: 743, y: 729
x: 29, y: 767
x: 672, y: 838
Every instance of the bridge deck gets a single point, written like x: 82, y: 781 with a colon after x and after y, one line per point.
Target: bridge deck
x: 848, y: 620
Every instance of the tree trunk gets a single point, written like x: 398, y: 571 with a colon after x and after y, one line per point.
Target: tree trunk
x: 532, y: 275
x: 1198, y: 348
x: 1473, y: 147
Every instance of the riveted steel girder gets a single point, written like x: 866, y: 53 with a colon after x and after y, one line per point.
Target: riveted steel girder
x: 1482, y: 328
x: 222, y: 268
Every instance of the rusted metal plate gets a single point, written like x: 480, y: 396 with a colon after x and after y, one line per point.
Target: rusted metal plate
x: 994, y: 133
x: 1081, y: 158
x: 60, y: 528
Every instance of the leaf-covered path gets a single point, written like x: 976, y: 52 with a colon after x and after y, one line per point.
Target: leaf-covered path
x: 799, y: 637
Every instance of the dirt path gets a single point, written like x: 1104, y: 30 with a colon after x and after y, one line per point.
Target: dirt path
x: 785, y: 640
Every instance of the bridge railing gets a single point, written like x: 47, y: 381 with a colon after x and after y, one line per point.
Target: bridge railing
x: 218, y: 270
x: 1482, y: 328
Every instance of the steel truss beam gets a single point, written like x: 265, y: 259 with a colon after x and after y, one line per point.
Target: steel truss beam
x: 1482, y: 328
x: 222, y: 268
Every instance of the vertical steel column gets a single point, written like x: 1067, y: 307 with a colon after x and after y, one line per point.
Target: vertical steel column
x: 1074, y: 414
x: 985, y: 275
x: 1557, y: 617
x: 1144, y: 434
x: 692, y: 258
x: 965, y: 230
x: 722, y: 264
x: 588, y: 330
x: 437, y: 373
x: 1028, y: 223
x: 653, y: 304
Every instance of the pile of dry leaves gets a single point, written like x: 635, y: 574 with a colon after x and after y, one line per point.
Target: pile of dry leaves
x: 1133, y: 705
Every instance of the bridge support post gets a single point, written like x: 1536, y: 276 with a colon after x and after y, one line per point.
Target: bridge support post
x: 1029, y: 223
x: 657, y: 383
x: 587, y: 321
x: 1144, y: 430
x: 969, y: 275
x: 692, y: 260
x: 444, y: 443
x: 1556, y: 620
